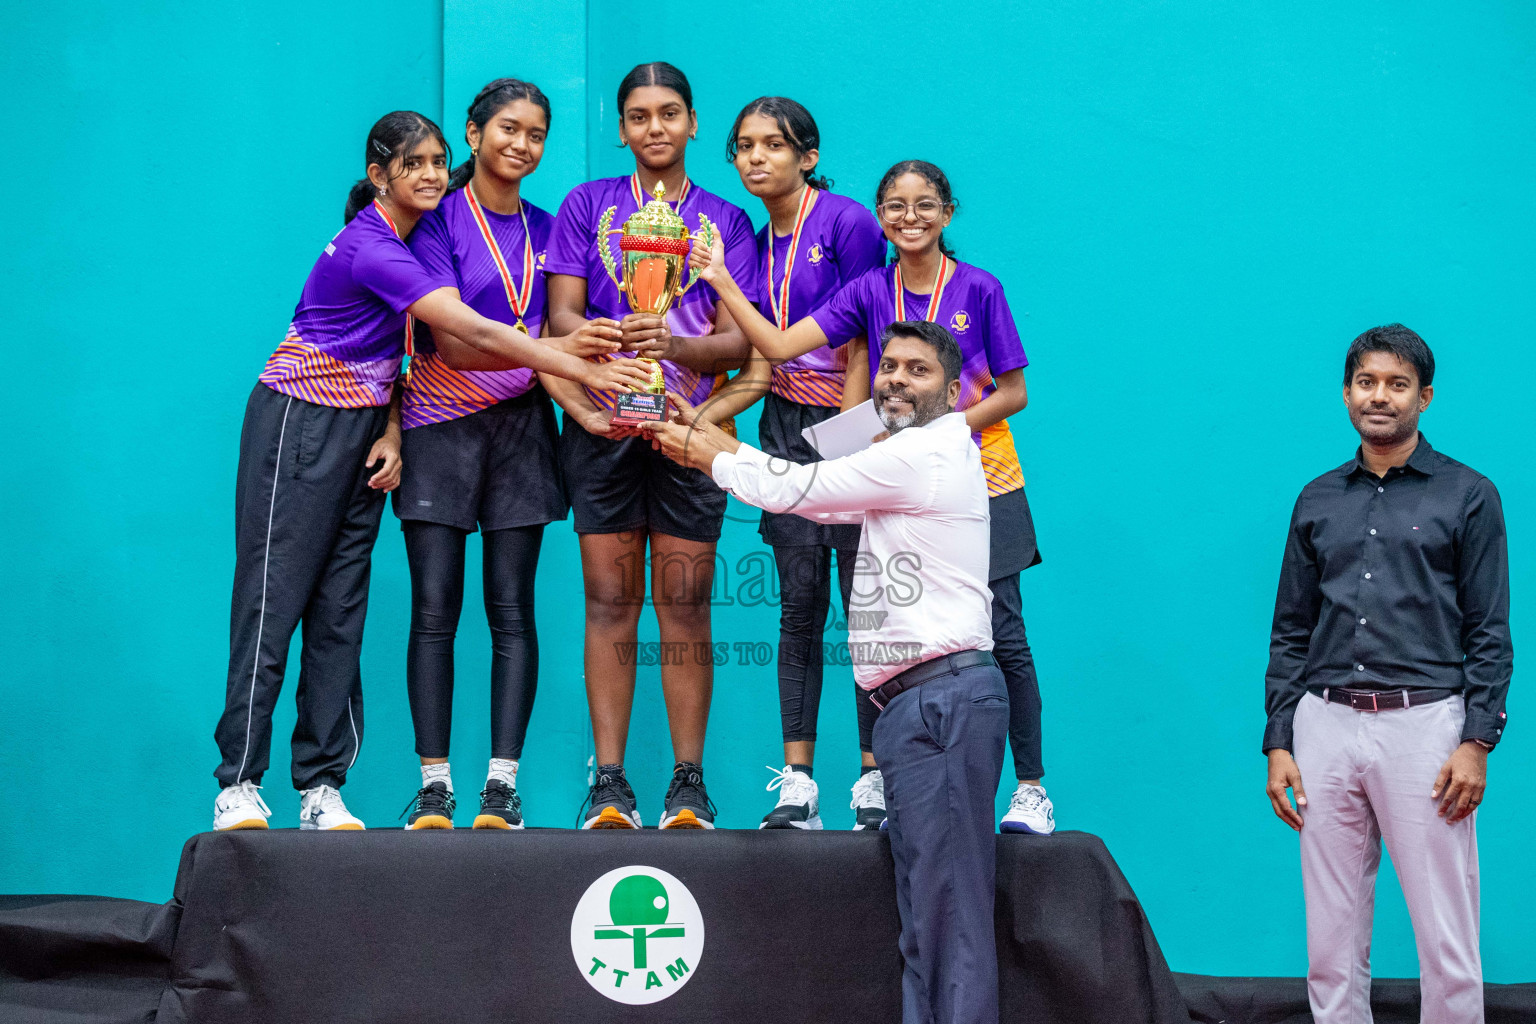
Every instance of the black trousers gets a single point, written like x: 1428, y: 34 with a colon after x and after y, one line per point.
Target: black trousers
x: 805, y: 589
x: 305, y: 523
x: 1010, y: 646
x: 940, y: 748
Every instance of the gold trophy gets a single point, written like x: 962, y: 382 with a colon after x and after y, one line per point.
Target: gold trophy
x: 654, y: 244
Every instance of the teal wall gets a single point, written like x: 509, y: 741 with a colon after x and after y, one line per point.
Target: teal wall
x: 1194, y: 207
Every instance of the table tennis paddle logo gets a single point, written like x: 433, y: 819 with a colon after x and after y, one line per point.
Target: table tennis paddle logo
x: 637, y: 935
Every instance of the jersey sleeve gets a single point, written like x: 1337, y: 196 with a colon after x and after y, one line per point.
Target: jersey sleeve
x: 1005, y: 351
x: 842, y: 318
x: 858, y: 243
x: 390, y: 271
x: 573, y: 237
x: 741, y: 256
x: 433, y: 247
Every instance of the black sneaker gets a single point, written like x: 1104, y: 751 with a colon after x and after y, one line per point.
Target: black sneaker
x: 610, y: 802
x: 500, y: 806
x: 688, y: 805
x: 432, y: 807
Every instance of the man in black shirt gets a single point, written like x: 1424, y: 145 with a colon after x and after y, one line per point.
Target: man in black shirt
x: 1389, y: 662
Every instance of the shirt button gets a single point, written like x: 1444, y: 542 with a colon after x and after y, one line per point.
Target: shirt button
x: 1359, y: 668
x: 1367, y: 575
x: 1373, y: 533
x: 1362, y: 622
x: 1380, y: 489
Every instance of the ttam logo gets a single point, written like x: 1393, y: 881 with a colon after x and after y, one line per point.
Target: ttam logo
x: 637, y: 935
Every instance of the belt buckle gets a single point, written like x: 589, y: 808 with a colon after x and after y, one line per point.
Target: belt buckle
x: 1373, y: 703
x: 874, y: 698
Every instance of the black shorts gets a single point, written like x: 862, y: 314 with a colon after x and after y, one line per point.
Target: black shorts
x: 497, y: 468
x: 779, y: 430
x: 1013, y: 535
x: 618, y: 486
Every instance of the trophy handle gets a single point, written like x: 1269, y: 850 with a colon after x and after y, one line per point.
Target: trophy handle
x: 604, y: 229
x: 706, y: 235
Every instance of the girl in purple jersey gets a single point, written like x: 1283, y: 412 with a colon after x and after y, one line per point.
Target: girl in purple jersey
x: 627, y: 497
x: 815, y: 242
x: 926, y: 282
x: 324, y: 411
x: 479, y: 451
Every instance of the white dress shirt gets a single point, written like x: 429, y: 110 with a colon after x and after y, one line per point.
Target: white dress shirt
x: 920, y: 586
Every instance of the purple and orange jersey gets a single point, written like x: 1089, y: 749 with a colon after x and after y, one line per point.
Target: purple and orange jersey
x: 347, y: 338
x: 573, y: 250
x: 971, y: 307
x: 838, y: 241
x: 450, y: 243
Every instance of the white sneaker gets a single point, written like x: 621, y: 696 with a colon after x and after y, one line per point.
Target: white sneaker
x: 240, y: 806
x: 868, y: 801
x: 1030, y: 811
x: 321, y: 808
x: 799, y: 800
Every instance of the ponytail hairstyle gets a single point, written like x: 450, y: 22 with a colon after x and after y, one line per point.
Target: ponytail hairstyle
x: 657, y: 72
x: 392, y: 138
x: 934, y: 177
x: 796, y: 125
x: 494, y: 96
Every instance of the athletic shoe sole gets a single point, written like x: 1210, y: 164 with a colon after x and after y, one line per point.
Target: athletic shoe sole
x: 809, y: 825
x: 1019, y: 828
x: 429, y: 821
x: 494, y: 821
x: 686, y: 819
x: 248, y: 823
x: 612, y: 817
x: 333, y: 828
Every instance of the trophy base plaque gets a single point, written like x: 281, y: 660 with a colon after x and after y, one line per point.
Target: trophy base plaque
x: 636, y: 407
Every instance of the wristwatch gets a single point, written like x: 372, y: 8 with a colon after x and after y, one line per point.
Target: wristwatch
x: 1482, y: 743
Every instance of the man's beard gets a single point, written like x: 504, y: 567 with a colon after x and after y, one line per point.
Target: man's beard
x: 925, y: 409
x: 1400, y: 429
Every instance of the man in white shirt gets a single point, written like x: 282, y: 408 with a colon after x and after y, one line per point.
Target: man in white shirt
x: 921, y: 647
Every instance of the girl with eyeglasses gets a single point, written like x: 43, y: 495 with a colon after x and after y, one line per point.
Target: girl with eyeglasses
x: 925, y: 282
x: 815, y: 242
x: 629, y: 500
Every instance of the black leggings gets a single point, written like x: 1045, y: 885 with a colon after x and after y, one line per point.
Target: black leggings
x: 805, y: 585
x: 436, y: 556
x: 1010, y: 645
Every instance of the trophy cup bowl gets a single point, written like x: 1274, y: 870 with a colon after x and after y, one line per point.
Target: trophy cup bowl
x: 653, y: 245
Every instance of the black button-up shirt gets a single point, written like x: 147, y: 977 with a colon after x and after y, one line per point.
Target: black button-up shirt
x: 1392, y: 583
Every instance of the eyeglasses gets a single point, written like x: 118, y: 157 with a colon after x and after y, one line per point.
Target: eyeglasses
x: 927, y: 210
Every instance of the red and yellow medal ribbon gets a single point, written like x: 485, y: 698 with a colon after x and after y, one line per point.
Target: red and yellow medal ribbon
x: 634, y: 188
x: 410, y: 321
x: 939, y: 284
x: 778, y: 298
x: 517, y: 298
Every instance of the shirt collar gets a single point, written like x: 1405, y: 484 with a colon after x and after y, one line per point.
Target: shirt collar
x: 1421, y: 461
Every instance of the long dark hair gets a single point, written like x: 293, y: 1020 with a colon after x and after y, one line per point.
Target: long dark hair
x: 490, y: 99
x: 796, y: 125
x: 393, y: 137
x: 934, y: 177
x: 657, y: 72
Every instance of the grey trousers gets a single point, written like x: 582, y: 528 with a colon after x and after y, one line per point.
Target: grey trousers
x: 940, y: 749
x: 1368, y: 776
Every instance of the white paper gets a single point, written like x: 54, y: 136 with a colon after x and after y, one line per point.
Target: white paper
x: 845, y: 433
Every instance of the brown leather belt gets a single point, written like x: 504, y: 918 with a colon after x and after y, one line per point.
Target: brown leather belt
x: 1382, y: 700
x: 917, y: 675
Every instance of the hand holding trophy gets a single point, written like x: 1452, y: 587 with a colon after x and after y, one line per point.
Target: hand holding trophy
x: 654, y: 245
